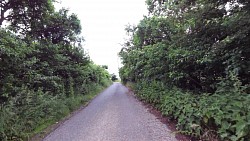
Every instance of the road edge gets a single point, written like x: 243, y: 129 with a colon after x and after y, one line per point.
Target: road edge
x: 163, y: 119
x: 40, y: 136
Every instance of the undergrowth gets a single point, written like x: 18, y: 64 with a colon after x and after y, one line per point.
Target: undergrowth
x: 223, y: 115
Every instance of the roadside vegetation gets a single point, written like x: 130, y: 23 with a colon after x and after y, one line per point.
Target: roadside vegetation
x: 190, y: 59
x: 44, y: 72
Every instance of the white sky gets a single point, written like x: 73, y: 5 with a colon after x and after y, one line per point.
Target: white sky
x: 103, y: 23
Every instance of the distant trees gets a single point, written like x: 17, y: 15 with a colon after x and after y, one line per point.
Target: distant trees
x: 113, y: 77
x: 104, y: 66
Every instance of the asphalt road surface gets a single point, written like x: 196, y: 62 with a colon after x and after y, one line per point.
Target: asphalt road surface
x: 114, y: 115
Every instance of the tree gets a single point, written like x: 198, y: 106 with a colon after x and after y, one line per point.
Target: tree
x: 61, y: 28
x: 25, y: 14
x: 113, y: 77
x: 37, y: 19
x: 104, y: 66
x: 193, y: 41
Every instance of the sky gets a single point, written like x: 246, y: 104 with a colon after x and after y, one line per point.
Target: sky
x: 103, y: 23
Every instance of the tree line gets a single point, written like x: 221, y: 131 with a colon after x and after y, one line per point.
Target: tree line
x: 190, y: 58
x: 44, y: 71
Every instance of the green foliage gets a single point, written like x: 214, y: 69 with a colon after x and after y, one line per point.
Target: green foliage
x: 44, y: 72
x: 31, y: 112
x: 60, y: 27
x: 192, y: 50
x: 197, y: 52
x: 26, y: 15
x: 225, y: 113
x: 42, y: 83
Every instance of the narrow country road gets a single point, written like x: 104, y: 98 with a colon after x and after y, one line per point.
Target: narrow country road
x: 113, y: 116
